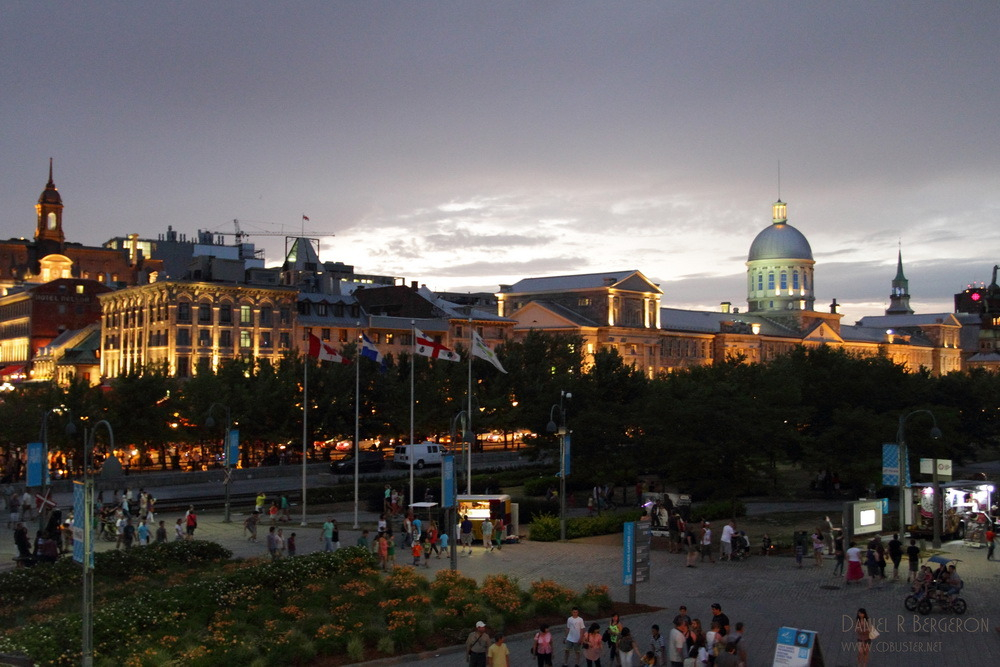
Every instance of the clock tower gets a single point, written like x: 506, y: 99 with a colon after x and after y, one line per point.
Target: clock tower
x: 49, y: 209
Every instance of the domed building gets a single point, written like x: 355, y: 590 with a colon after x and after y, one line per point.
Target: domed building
x: 780, y: 267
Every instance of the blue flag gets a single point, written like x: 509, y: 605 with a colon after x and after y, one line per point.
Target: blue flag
x: 369, y: 351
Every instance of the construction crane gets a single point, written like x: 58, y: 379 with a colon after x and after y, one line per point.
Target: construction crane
x: 241, y: 235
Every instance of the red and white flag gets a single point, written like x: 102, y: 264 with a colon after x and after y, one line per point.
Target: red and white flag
x: 320, y: 350
x: 425, y: 346
x: 306, y: 218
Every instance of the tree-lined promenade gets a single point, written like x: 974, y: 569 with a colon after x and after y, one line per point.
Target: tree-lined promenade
x: 818, y: 409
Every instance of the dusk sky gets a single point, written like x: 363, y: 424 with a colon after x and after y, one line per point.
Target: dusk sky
x: 468, y: 144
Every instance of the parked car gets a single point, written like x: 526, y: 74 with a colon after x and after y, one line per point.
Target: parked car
x: 367, y: 462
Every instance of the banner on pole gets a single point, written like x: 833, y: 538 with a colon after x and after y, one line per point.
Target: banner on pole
x: 36, y: 474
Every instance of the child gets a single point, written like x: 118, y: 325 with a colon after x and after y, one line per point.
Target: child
x: 648, y: 659
x: 765, y: 546
x: 443, y: 543
x: 417, y: 552
x: 291, y: 544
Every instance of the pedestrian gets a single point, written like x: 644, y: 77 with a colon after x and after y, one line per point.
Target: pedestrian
x: 180, y: 532
x: 863, y: 630
x: 798, y: 540
x: 416, y: 551
x: 161, y: 532
x: 363, y: 539
x: 574, y: 636
x: 706, y: 542
x: 657, y: 646
x: 142, y: 533
x: 611, y: 635
x: 23, y: 543
x: 541, y: 646
x: 593, y: 645
x: 476, y: 645
x: 391, y: 552
x: 326, y: 534
x: 838, y: 554
x: 626, y: 648
x: 272, y: 512
x: 191, y: 522
x: 722, y: 619
x: 499, y: 530
x: 466, y: 533
x: 854, y: 571
x: 913, y: 558
x: 284, y: 507
x: 677, y: 642
x: 291, y: 545
x: 250, y: 526
x: 443, y: 543
x: 272, y: 543
x: 818, y: 545
x: 991, y: 537
x: 498, y: 655
x: 382, y: 549
x: 487, y: 530
x: 258, y: 505
x: 281, y: 543
x: 895, y: 554
x: 726, y: 541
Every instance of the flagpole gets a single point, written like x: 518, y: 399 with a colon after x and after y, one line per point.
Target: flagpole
x: 357, y: 403
x: 413, y: 353
x: 305, y: 417
x: 468, y: 460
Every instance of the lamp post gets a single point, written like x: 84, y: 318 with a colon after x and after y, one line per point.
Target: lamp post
x: 210, y: 423
x: 466, y: 437
x: 563, y: 456
x: 43, y: 437
x: 88, y: 540
x: 935, y: 433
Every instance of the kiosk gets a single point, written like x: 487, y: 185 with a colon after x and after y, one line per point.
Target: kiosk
x: 482, y: 507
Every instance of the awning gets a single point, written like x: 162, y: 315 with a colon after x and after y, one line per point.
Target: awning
x: 16, y: 370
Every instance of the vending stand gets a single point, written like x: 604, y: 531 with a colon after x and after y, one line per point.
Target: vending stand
x: 479, y: 508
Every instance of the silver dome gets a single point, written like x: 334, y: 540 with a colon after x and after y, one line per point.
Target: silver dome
x: 780, y: 241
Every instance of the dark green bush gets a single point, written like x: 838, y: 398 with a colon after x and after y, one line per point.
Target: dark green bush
x: 718, y: 509
x: 545, y: 528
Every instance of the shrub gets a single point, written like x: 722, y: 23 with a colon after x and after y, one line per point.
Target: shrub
x: 545, y: 528
x: 718, y: 509
x: 549, y: 597
x: 503, y: 594
x: 596, y: 595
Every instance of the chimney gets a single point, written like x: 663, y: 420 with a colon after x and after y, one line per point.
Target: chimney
x: 413, y: 285
x: 726, y: 306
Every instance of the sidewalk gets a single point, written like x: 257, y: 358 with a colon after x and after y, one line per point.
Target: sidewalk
x: 764, y: 593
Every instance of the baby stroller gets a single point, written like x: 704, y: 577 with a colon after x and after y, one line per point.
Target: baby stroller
x: 741, y: 546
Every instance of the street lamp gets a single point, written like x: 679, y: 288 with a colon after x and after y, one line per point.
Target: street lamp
x: 88, y: 539
x: 210, y: 423
x: 43, y: 437
x: 563, y: 456
x: 466, y: 439
x: 904, y: 462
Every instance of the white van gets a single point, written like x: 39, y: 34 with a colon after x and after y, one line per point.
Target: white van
x: 423, y: 454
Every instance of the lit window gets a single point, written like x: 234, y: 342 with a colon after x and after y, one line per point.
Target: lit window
x: 770, y: 281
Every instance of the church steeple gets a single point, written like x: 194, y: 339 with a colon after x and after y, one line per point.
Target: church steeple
x: 49, y: 211
x: 899, y: 299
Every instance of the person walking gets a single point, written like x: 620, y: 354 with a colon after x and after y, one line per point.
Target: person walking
x: 895, y: 554
x: 466, y: 533
x: 476, y: 645
x: 190, y: 522
x: 272, y: 543
x: 487, y: 529
x: 498, y: 655
x: 991, y: 537
x: 863, y: 631
x: 541, y: 646
x: 575, y: 628
x: 329, y: 526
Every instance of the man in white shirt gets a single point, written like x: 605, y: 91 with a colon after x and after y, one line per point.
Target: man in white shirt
x: 677, y: 645
x: 727, y: 540
x: 574, y: 634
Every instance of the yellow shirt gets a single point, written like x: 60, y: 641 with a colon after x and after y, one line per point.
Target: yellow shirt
x: 498, y: 656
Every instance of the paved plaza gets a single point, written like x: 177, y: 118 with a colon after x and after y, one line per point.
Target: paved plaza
x: 764, y: 593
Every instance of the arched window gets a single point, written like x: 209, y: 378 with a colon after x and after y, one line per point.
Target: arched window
x: 760, y: 281
x: 784, y: 280
x: 770, y: 280
x: 795, y: 279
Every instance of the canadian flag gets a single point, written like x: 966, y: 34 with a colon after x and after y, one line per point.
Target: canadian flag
x: 320, y: 350
x: 428, y: 348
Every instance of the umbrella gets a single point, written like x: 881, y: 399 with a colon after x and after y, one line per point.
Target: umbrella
x: 938, y: 558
